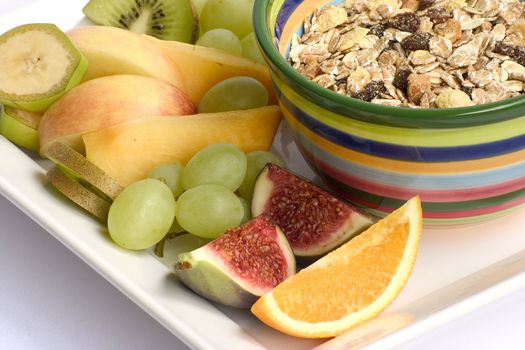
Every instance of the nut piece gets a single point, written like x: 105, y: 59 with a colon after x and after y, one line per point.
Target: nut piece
x: 440, y: 46
x: 515, y: 70
x: 412, y: 5
x: 421, y: 57
x: 451, y: 5
x: 451, y: 30
x: 418, y: 84
x: 331, y: 18
x: 451, y: 98
x: 352, y: 37
x: 358, y: 80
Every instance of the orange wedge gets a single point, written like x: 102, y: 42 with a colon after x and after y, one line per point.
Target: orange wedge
x: 350, y: 285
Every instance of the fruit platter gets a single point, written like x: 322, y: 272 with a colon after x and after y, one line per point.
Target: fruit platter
x: 238, y: 167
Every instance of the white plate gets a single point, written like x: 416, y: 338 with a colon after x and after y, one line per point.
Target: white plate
x: 457, y: 270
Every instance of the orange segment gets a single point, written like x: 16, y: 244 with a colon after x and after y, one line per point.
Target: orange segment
x: 351, y: 284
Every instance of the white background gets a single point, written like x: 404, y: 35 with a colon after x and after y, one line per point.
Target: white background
x: 49, y: 299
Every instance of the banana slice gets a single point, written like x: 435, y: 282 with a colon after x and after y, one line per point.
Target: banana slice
x: 38, y: 63
x: 77, y: 166
x: 74, y: 190
x: 20, y: 127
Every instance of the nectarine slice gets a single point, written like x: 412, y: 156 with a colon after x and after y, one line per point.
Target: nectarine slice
x: 111, y: 51
x: 203, y: 67
x: 107, y: 101
x: 129, y: 151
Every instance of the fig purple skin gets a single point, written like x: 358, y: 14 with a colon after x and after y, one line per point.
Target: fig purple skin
x: 313, y: 220
x: 239, y: 266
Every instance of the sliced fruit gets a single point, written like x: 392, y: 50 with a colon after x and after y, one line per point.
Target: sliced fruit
x: 242, y: 264
x: 38, y: 63
x: 76, y: 165
x: 255, y: 162
x: 76, y: 192
x: 203, y: 67
x: 313, y: 220
x: 130, y: 151
x: 111, y: 51
x: 168, y: 20
x: 20, y: 127
x: 107, y: 101
x: 349, y: 285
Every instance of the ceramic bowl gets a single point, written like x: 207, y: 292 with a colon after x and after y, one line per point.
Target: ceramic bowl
x: 467, y: 164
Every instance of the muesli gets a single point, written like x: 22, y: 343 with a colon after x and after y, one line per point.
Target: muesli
x: 416, y: 53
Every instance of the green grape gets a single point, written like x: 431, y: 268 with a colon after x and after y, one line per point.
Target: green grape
x: 232, y: 94
x: 250, y: 49
x: 219, y: 164
x: 234, y: 15
x: 222, y: 39
x: 209, y: 210
x: 171, y: 175
x: 198, y: 5
x: 255, y: 162
x: 247, y: 210
x: 142, y: 214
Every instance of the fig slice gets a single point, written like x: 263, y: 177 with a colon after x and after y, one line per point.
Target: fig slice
x: 239, y: 266
x: 313, y: 220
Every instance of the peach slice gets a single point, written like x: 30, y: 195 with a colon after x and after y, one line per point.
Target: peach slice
x: 129, y: 151
x: 107, y: 101
x: 112, y: 51
x: 203, y: 67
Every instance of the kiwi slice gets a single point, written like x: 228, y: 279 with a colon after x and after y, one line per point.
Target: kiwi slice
x: 79, y: 167
x: 38, y: 64
x: 20, y: 127
x: 167, y: 20
x: 76, y: 192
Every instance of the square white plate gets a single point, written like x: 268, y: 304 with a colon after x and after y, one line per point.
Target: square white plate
x: 457, y: 270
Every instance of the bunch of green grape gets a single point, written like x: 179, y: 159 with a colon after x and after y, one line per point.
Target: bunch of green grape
x: 211, y: 194
x: 227, y: 25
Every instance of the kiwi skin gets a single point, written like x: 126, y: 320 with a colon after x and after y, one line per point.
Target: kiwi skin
x: 77, y: 193
x: 76, y: 165
x: 167, y: 20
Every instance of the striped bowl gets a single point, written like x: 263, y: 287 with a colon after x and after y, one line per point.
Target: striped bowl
x: 467, y: 164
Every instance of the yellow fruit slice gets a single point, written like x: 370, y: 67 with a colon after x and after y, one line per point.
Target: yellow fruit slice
x: 352, y: 284
x: 129, y: 151
x: 203, y: 67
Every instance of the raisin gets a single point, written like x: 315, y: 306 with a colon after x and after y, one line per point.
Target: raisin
x: 467, y: 90
x: 438, y: 15
x: 519, y: 55
x: 405, y: 21
x: 371, y: 91
x: 378, y: 30
x: 401, y: 79
x: 423, y: 4
x: 504, y: 49
x: 416, y: 41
